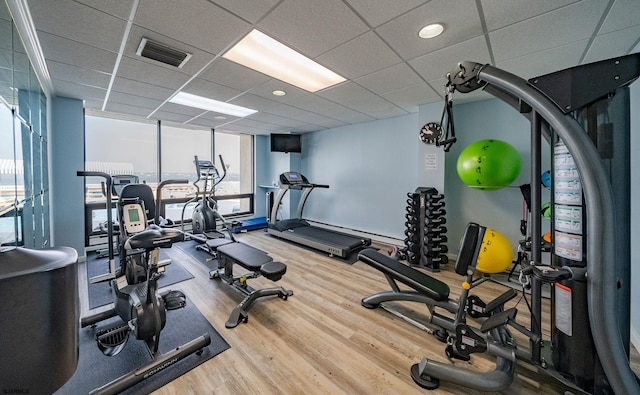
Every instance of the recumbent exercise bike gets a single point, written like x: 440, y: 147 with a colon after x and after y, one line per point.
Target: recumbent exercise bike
x: 141, y: 308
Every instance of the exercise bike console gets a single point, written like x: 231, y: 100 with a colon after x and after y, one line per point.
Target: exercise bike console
x: 133, y: 218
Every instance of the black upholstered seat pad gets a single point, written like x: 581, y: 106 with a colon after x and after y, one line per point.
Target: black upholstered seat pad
x: 421, y: 282
x: 246, y: 256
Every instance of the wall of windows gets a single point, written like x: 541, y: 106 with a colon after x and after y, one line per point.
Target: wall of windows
x: 24, y: 174
x: 126, y: 147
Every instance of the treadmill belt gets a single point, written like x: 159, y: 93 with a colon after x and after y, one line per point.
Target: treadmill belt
x: 327, y: 236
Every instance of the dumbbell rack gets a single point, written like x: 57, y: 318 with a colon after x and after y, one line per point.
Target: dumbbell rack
x: 425, y: 231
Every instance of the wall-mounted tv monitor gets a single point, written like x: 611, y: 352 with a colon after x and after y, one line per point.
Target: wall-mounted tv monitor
x: 286, y: 143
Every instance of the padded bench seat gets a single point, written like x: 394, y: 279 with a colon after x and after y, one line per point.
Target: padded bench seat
x: 246, y: 256
x: 421, y: 282
x: 214, y: 244
x: 259, y: 264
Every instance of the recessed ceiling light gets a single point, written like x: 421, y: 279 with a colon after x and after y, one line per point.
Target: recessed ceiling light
x: 279, y: 93
x: 187, y: 99
x: 268, y: 56
x: 219, y: 117
x: 431, y: 31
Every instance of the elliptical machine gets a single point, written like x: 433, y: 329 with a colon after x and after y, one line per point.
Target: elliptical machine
x: 141, y: 309
x: 205, y: 214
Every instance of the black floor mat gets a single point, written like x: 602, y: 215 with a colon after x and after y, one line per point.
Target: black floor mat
x: 189, y: 248
x: 100, y: 293
x: 183, y: 325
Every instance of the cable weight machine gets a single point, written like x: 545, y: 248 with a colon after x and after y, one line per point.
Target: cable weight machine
x: 583, y: 112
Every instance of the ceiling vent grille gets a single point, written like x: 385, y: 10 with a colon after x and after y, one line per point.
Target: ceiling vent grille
x: 162, y: 53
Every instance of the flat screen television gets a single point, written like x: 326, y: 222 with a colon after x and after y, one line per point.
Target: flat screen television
x: 286, y: 143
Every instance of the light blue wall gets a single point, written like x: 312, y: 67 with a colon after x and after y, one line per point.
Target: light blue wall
x: 67, y: 157
x: 370, y: 168
x: 501, y: 209
x: 276, y: 164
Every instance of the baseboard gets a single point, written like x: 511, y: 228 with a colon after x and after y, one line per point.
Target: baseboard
x: 373, y: 236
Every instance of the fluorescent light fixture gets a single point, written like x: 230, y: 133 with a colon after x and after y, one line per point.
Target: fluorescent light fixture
x: 187, y: 99
x: 431, y: 31
x: 268, y: 56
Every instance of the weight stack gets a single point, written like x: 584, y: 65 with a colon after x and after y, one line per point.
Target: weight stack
x: 426, y: 234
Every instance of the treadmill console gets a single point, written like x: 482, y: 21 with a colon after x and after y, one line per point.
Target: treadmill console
x: 292, y: 179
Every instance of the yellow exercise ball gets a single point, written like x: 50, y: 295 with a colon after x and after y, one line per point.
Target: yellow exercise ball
x: 495, y: 254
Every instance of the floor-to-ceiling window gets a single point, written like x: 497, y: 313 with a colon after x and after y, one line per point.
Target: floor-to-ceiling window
x: 24, y: 175
x: 119, y: 147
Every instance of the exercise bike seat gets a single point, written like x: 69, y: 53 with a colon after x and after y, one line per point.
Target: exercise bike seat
x: 154, y: 236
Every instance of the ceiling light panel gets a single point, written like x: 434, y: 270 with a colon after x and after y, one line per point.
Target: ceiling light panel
x: 188, y: 99
x: 266, y: 55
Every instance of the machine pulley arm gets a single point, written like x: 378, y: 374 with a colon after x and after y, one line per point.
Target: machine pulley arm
x: 463, y: 78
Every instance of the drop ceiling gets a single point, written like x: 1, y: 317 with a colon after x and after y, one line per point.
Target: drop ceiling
x: 90, y: 51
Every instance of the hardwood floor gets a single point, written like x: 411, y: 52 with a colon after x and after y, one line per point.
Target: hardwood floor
x: 320, y: 340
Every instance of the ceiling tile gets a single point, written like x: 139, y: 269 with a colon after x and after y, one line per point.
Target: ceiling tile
x: 208, y: 89
x: 623, y: 14
x: 500, y: 13
x: 460, y: 19
x: 68, y: 19
x: 67, y: 51
x: 120, y: 9
x: 227, y: 73
x: 79, y: 75
x: 249, y: 10
x: 613, y: 44
x: 377, y: 12
x: 360, y: 56
x: 132, y: 87
x: 437, y: 64
x: 354, y: 96
x: 138, y: 70
x: 411, y: 97
x: 138, y: 101
x: 127, y: 109
x: 390, y: 79
x: 550, y: 30
x: 255, y: 102
x: 302, y: 24
x: 171, y: 116
x: 77, y: 91
x: 180, y: 109
x: 200, y: 23
x: 390, y: 112
x: 545, y: 62
x: 266, y: 90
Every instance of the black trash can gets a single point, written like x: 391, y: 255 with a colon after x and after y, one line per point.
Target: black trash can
x: 39, y: 319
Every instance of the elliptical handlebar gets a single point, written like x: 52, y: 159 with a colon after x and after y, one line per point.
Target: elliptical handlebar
x: 159, y: 195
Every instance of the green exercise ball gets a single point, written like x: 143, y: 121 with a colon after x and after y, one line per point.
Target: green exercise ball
x: 488, y: 165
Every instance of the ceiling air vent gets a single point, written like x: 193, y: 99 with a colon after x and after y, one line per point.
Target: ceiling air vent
x: 162, y: 53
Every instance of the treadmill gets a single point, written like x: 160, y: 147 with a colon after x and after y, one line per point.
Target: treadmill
x: 300, y: 231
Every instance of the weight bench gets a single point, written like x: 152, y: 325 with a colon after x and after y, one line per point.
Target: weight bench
x: 426, y: 289
x: 259, y: 264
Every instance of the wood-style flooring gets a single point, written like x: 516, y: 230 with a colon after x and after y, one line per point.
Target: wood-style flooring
x: 320, y: 340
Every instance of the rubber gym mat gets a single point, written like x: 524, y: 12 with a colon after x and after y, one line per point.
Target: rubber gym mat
x: 95, y: 369
x: 189, y: 248
x: 100, y: 293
